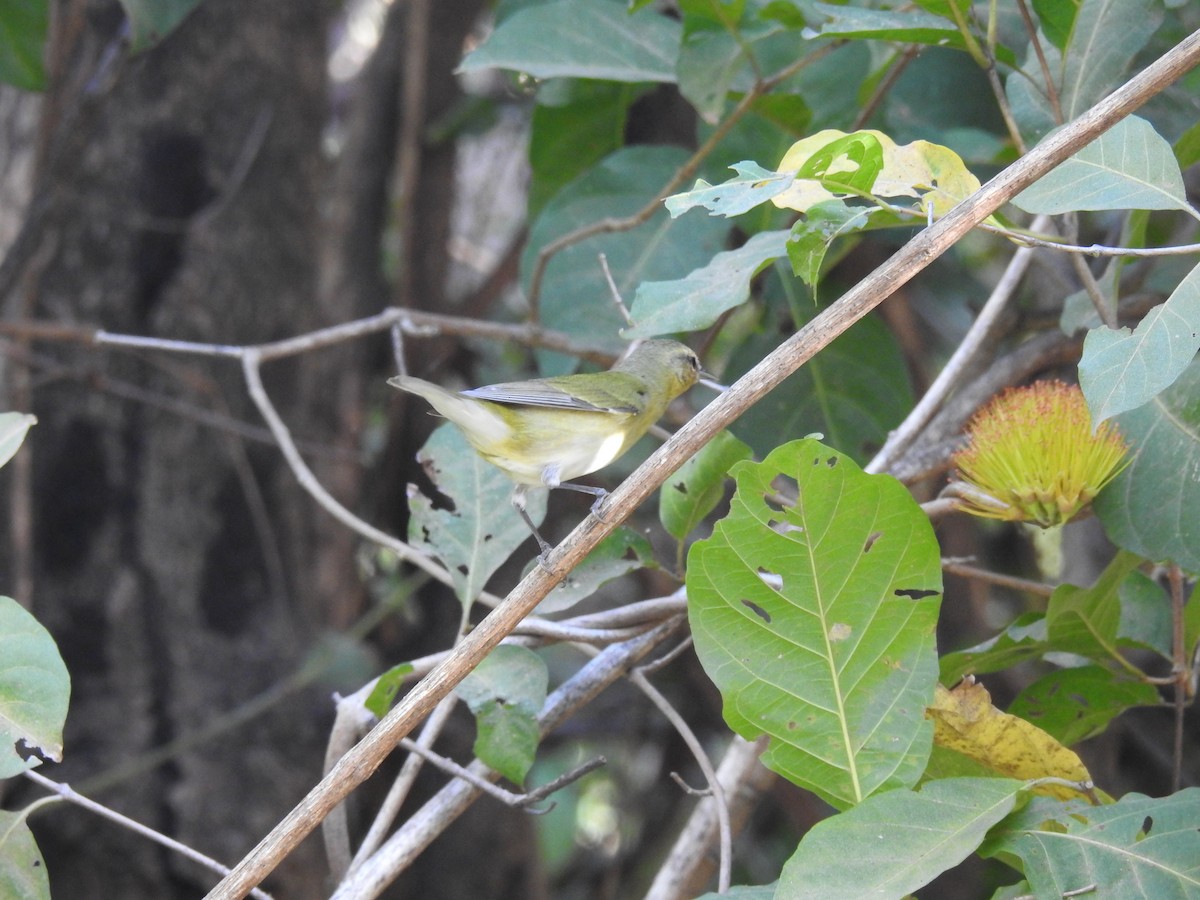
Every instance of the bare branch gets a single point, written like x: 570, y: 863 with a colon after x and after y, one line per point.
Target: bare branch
x: 65, y: 792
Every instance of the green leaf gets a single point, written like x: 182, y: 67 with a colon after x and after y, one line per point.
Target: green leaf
x: 1187, y: 147
x: 815, y: 619
x: 1021, y: 641
x: 34, y: 691
x: 505, y: 693
x: 1130, y: 166
x: 853, y: 392
x: 23, y: 28
x: 379, y: 701
x: 908, y: 26
x: 621, y: 552
x: 699, y: 484
x: 898, y: 840
x: 584, y: 123
x: 1075, y: 704
x: 152, y: 20
x: 1084, y: 621
x: 13, y: 428
x: 1057, y: 18
x: 23, y: 873
x: 819, y: 227
x: 582, y: 39
x: 1153, y: 507
x: 1106, y: 38
x: 718, y: 53
x: 752, y: 187
x: 699, y: 299
x: 481, y: 530
x: 575, y: 298
x: 832, y: 163
x: 1145, y: 615
x: 1139, y: 848
x: 1122, y: 369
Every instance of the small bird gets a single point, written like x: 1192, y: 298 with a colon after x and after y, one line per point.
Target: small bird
x: 547, y: 431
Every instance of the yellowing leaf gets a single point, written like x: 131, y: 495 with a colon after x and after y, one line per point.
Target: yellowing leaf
x: 964, y: 720
x: 933, y: 174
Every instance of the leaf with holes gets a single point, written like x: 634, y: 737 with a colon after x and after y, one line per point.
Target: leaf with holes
x: 1139, y: 848
x: 22, y: 869
x: 481, y: 529
x: 813, y: 606
x: 35, y: 690
x: 505, y: 693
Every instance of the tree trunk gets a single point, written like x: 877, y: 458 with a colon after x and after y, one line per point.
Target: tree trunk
x: 173, y: 557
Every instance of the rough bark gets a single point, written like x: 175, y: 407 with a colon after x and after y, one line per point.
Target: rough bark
x: 173, y: 559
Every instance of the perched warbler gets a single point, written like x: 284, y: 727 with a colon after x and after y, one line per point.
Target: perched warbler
x: 547, y: 431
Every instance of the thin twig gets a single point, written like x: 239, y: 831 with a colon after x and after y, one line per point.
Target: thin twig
x: 1182, y: 676
x: 714, y: 784
x: 961, y: 568
x: 876, y: 287
x: 251, y: 358
x: 67, y: 793
x: 1094, y: 250
x: 399, y: 791
x: 743, y: 778
x: 508, y: 798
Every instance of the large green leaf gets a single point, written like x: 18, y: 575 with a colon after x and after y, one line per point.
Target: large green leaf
x: 575, y: 297
x: 22, y: 870
x: 906, y: 26
x: 582, y: 39
x: 1122, y: 369
x: 699, y: 299
x: 34, y: 691
x: 898, y: 840
x: 1105, y: 38
x: 1153, y: 507
x: 576, y: 123
x: 1024, y: 639
x: 720, y: 51
x: 1130, y: 166
x: 815, y: 615
x: 1140, y: 848
x: 1072, y: 705
x: 853, y: 392
x: 1085, y: 621
x: 23, y: 27
x: 506, y: 692
x: 480, y: 529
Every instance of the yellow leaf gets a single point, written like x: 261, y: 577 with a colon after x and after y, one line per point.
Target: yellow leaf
x: 965, y: 721
x: 933, y: 174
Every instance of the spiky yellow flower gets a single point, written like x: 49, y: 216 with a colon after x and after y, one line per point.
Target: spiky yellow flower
x: 1032, y: 456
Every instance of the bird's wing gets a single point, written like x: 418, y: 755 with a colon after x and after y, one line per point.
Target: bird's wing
x: 546, y: 393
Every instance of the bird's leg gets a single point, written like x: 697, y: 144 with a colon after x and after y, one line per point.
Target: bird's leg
x: 550, y: 480
x: 598, y: 492
x: 518, y: 502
